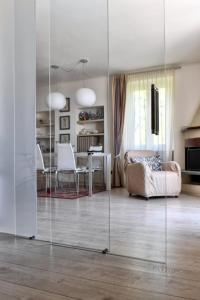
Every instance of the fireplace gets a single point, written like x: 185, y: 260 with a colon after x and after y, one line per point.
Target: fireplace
x: 191, y: 172
x: 192, y: 158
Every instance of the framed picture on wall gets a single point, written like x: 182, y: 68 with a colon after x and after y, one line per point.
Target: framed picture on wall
x: 67, y: 106
x: 64, y: 138
x: 64, y: 122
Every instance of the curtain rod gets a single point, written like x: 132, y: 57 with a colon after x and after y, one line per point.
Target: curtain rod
x: 151, y: 69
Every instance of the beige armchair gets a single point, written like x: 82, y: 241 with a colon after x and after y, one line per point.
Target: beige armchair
x: 142, y: 181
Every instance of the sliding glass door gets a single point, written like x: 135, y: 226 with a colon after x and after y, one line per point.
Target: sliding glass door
x: 74, y: 208
x: 44, y: 123
x: 91, y: 122
x: 138, y: 219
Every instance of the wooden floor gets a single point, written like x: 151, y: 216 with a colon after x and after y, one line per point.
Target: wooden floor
x: 37, y: 270
x: 138, y: 228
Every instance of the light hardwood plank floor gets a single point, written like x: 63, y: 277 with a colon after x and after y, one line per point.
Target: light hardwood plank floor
x: 138, y: 228
x: 36, y: 270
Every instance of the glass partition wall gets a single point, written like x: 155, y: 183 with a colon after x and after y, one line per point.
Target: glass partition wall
x: 182, y: 51
x: 138, y: 227
x: 44, y: 122
x: 73, y: 208
x: 75, y: 204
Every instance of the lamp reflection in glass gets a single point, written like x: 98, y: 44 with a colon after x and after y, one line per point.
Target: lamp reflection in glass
x: 56, y: 101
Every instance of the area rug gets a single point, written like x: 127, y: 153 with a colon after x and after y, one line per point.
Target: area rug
x: 68, y: 193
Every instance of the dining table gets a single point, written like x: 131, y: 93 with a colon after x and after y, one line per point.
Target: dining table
x: 107, y: 167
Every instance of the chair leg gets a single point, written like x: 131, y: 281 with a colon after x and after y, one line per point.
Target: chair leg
x: 76, y: 182
x: 46, y: 182
x: 84, y: 177
x: 56, y: 181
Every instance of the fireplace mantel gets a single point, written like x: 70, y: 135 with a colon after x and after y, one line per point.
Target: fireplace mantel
x: 187, y: 128
x: 192, y: 142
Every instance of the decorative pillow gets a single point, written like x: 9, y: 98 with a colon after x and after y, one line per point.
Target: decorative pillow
x: 154, y: 162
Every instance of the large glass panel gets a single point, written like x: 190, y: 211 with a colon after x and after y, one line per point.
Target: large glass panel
x: 79, y: 69
x: 44, y: 123
x: 137, y: 227
x: 17, y: 118
x: 7, y: 183
x: 183, y: 54
x: 24, y: 117
x: 74, y: 205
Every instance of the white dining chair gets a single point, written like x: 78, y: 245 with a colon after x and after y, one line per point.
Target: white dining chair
x: 40, y: 166
x: 66, y: 164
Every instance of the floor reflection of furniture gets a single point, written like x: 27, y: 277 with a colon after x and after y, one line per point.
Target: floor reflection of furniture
x: 140, y: 180
x: 66, y: 164
x: 42, y: 169
x: 107, y: 164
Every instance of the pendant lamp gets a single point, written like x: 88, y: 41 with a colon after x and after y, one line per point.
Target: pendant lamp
x: 56, y: 101
x: 85, y: 96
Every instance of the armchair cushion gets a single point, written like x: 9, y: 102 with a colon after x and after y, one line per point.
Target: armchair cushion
x: 154, y: 162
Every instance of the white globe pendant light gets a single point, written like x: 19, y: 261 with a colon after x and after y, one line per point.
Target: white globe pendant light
x: 56, y: 101
x: 85, y: 97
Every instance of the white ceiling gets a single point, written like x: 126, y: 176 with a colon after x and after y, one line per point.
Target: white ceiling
x: 142, y: 34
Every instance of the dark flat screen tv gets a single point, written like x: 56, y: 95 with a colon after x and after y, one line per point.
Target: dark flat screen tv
x: 154, y: 110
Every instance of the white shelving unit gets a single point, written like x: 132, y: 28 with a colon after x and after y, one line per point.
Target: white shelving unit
x: 90, y: 132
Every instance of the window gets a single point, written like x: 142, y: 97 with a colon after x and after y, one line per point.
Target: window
x: 137, y: 123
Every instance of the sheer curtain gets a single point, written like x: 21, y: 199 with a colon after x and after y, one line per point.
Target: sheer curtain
x: 137, y: 123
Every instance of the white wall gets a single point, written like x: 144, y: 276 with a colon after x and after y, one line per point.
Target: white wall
x: 99, y: 85
x: 187, y: 101
x: 17, y: 117
x: 7, y: 189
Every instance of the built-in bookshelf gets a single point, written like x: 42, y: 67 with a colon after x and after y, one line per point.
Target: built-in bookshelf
x: 90, y: 127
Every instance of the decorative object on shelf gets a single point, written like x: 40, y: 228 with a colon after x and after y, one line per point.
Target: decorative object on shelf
x: 100, y: 114
x: 65, y: 138
x: 56, y: 101
x: 64, y: 122
x: 67, y: 106
x: 95, y: 131
x: 85, y: 131
x: 83, y: 116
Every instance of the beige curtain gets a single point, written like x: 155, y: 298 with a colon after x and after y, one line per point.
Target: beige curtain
x: 137, y: 120
x: 118, y: 102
